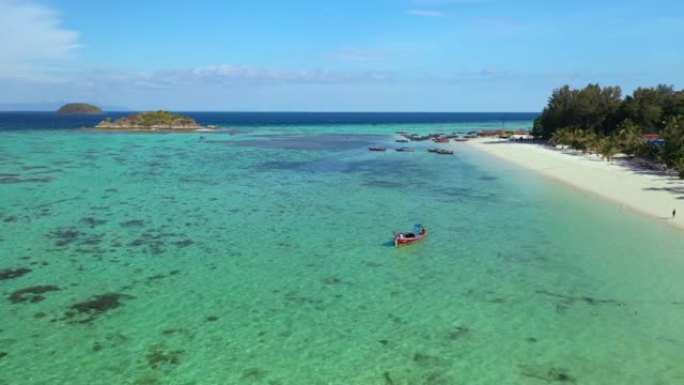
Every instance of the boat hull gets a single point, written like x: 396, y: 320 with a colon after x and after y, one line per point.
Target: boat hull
x: 408, y: 238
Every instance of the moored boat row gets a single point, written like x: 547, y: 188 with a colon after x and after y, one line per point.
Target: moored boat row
x: 446, y: 138
x: 440, y: 151
x: 460, y: 137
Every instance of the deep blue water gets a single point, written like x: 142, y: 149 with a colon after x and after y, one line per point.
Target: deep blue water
x: 51, y: 120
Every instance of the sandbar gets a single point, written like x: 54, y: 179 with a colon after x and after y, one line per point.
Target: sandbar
x: 623, y: 181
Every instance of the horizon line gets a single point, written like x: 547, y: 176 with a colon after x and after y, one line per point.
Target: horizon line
x: 298, y: 112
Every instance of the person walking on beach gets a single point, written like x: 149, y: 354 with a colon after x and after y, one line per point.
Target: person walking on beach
x: 674, y: 212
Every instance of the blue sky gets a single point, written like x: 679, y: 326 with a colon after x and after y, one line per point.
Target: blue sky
x: 400, y: 55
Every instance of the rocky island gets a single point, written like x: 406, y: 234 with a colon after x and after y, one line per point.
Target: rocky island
x: 79, y: 109
x: 161, y: 121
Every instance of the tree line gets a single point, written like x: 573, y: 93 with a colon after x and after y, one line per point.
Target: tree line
x: 599, y: 120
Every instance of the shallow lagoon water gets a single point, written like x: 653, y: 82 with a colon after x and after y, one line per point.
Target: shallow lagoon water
x: 264, y: 256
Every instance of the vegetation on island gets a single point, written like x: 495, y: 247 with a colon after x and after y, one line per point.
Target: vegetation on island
x: 79, y: 109
x: 599, y: 120
x: 151, y: 121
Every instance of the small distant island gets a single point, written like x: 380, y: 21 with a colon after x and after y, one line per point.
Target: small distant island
x: 79, y: 109
x: 152, y: 121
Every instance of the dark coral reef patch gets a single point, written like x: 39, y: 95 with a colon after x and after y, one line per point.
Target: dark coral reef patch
x: 31, y: 294
x: 133, y: 223
x: 156, y: 241
x: 13, y: 273
x: 88, y: 311
x: 254, y: 374
x: 65, y: 236
x: 17, y: 179
x: 157, y: 356
x: 550, y: 375
x: 92, y: 222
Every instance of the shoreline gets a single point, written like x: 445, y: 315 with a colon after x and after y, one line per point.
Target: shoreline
x: 153, y: 130
x: 623, y: 182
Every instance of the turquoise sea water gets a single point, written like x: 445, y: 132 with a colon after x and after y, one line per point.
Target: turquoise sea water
x: 263, y: 255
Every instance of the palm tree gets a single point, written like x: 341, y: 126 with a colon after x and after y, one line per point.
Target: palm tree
x: 629, y: 137
x: 578, y: 140
x: 608, y: 147
x: 562, y: 137
x: 673, y: 135
x: 679, y: 165
x: 592, y: 142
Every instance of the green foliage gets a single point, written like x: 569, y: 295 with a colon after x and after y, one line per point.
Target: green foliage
x: 680, y: 167
x: 592, y: 108
x: 672, y: 153
x: 648, y: 107
x: 629, y: 137
x: 602, y: 110
x: 595, y: 119
x: 607, y: 147
x: 647, y: 151
x: 79, y: 108
x: 561, y: 137
x: 674, y: 106
x: 156, y: 118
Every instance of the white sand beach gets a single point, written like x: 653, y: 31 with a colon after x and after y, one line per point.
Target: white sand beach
x: 625, y: 183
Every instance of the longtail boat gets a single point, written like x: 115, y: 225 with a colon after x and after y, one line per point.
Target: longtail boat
x: 403, y: 239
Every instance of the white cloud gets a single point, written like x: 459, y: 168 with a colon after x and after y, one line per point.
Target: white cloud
x: 464, y: 74
x: 230, y: 73
x: 209, y: 87
x: 32, y: 40
x: 426, y: 13
x: 224, y: 75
